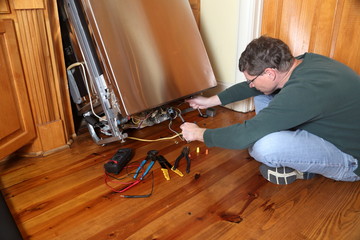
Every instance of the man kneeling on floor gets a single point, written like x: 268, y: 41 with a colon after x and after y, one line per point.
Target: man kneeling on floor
x: 307, y: 114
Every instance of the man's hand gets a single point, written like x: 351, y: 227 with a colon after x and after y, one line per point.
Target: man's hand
x: 192, y: 132
x: 201, y: 102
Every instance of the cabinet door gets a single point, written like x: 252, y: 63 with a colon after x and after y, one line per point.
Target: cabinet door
x: 16, y: 122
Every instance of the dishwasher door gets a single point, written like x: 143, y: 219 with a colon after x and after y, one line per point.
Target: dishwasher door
x: 151, y: 51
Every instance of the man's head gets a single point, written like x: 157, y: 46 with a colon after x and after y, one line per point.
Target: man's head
x: 266, y: 63
x: 265, y: 52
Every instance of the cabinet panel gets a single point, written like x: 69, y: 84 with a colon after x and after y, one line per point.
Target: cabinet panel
x: 28, y: 4
x: 4, y: 6
x: 16, y: 122
x: 346, y: 47
x: 330, y: 28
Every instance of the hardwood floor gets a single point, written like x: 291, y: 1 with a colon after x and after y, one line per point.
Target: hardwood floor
x: 63, y: 196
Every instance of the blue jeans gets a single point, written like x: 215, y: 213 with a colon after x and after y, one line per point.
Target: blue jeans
x: 302, y: 151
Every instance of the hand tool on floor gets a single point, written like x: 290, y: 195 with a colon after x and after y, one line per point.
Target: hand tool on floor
x: 165, y: 165
x: 151, y: 156
x: 184, y: 153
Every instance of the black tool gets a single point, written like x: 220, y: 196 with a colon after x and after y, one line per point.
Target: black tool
x: 201, y: 114
x: 184, y: 153
x: 119, y: 160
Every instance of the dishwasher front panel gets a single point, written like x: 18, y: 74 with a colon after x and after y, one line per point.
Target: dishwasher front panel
x: 151, y: 50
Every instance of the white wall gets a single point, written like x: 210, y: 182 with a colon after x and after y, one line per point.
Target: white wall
x: 227, y: 26
x: 219, y: 28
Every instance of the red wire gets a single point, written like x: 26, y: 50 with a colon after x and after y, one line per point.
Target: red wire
x: 130, y: 184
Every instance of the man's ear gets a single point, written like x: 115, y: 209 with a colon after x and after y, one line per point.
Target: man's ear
x: 271, y: 73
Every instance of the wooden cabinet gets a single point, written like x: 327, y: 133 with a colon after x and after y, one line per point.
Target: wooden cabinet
x: 17, y: 126
x: 330, y: 28
x: 34, y: 91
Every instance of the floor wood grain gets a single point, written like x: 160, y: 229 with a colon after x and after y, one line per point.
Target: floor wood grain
x: 64, y: 196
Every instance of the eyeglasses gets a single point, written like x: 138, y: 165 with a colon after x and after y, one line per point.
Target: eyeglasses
x: 248, y: 81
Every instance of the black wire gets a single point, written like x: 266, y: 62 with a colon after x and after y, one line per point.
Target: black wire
x: 143, y: 196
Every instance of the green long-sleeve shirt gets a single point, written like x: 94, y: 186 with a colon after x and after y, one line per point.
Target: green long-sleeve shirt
x: 322, y: 96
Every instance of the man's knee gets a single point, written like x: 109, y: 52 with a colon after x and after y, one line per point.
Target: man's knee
x: 267, y: 148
